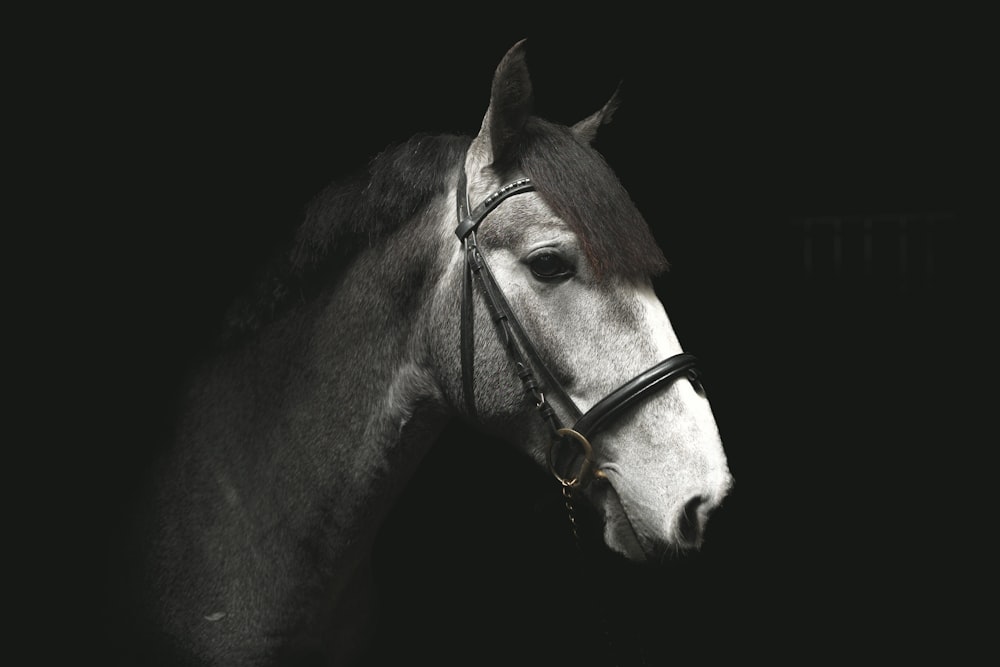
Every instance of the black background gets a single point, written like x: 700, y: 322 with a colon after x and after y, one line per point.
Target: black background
x: 175, y: 151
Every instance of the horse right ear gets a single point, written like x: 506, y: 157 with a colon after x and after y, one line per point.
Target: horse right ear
x: 586, y: 129
x: 509, y: 108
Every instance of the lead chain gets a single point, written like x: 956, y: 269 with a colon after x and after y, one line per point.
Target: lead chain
x: 571, y: 513
x: 567, y: 493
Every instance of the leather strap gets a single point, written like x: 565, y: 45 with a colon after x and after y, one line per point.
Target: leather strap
x: 659, y: 376
x: 468, y: 342
x: 525, y: 356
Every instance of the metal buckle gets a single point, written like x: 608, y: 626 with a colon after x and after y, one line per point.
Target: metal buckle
x: 588, y: 458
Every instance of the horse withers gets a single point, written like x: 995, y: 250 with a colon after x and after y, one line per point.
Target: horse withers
x: 504, y: 279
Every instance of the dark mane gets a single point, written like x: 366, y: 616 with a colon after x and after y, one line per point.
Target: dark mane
x: 393, y: 188
x: 580, y: 187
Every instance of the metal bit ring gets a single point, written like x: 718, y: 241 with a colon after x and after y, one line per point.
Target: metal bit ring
x: 588, y: 457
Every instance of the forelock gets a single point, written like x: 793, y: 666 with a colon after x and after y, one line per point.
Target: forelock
x: 581, y: 188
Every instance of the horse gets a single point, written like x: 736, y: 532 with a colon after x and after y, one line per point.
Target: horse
x: 502, y: 279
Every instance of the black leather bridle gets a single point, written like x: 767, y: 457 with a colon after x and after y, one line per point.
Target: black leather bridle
x: 526, y: 358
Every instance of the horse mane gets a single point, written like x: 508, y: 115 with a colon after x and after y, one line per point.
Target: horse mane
x: 345, y: 216
x: 571, y: 176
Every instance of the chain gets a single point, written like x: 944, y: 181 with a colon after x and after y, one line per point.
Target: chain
x: 567, y: 492
x: 613, y: 653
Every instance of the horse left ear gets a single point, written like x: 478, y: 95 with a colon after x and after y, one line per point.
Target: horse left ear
x: 586, y: 129
x: 509, y: 108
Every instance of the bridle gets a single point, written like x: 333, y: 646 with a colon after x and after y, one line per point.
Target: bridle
x: 525, y: 357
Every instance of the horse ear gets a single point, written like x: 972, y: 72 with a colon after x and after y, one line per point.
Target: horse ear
x: 509, y: 108
x: 586, y: 129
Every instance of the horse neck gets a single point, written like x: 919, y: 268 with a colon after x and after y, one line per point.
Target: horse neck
x: 310, y: 428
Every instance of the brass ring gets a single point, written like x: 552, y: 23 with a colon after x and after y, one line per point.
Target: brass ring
x: 588, y: 457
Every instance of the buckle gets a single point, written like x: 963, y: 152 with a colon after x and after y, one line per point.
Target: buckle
x: 586, y: 468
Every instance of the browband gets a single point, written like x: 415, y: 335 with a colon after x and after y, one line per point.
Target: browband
x: 470, y: 222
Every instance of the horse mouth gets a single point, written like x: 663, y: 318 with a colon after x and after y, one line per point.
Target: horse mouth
x: 620, y: 536
x: 620, y: 532
x: 636, y: 539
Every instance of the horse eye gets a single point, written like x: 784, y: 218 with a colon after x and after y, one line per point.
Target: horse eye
x: 549, y: 266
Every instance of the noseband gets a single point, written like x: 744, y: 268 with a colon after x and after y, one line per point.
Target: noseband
x: 525, y: 357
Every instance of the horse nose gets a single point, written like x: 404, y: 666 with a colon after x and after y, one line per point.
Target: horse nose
x: 691, y: 522
x: 687, y: 531
x: 689, y: 528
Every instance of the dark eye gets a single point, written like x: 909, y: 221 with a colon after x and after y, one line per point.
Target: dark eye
x: 550, y: 266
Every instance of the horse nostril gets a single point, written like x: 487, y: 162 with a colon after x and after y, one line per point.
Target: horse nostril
x: 690, y: 523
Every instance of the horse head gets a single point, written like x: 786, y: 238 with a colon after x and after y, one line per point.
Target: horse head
x: 573, y: 260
